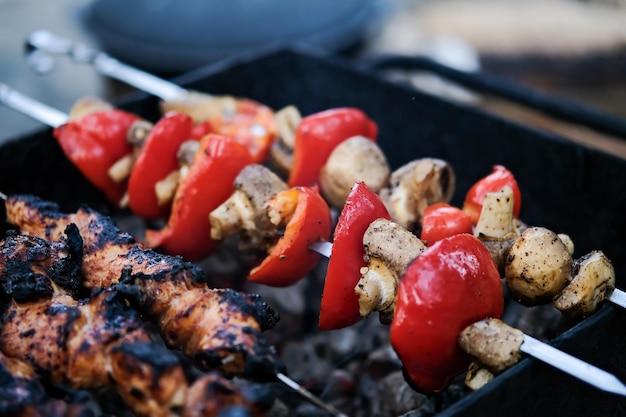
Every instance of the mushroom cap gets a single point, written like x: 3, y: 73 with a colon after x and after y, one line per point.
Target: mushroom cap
x: 416, y: 185
x: 537, y: 267
x: 355, y: 159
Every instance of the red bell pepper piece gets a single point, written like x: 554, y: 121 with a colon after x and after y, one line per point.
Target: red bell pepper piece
x: 452, y: 284
x: 252, y: 125
x: 156, y: 160
x: 94, y: 143
x: 495, y: 181
x: 442, y: 220
x: 201, y: 129
x: 340, y: 304
x: 318, y: 134
x: 208, y: 184
x: 308, y: 221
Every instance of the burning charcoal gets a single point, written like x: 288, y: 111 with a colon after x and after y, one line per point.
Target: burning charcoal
x: 381, y: 362
x: 340, y: 382
x: 398, y: 398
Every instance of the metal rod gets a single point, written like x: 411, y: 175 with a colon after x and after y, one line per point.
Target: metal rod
x: 50, y: 43
x: 30, y: 107
x: 573, y: 366
x: 307, y: 394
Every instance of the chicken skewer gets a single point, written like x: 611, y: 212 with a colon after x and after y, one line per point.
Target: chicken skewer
x: 100, y: 342
x: 22, y: 394
x: 169, y: 290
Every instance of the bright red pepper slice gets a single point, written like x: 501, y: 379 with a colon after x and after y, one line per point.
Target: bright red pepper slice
x: 156, y: 160
x: 495, y: 181
x: 442, y: 220
x: 208, y: 184
x: 308, y: 221
x: 318, y: 134
x: 252, y: 125
x: 340, y: 305
x: 94, y: 143
x: 446, y: 288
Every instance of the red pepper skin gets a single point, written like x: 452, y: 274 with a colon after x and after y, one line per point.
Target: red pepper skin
x: 340, y: 305
x: 157, y: 159
x: 208, y: 184
x: 318, y: 134
x: 201, y: 129
x: 94, y: 143
x: 495, y: 181
x: 252, y: 125
x: 442, y: 220
x: 446, y: 288
x: 290, y: 259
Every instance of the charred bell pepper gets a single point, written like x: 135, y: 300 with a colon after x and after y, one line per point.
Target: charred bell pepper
x: 442, y: 220
x: 156, y: 160
x: 94, y: 143
x: 450, y: 285
x: 318, y: 134
x: 207, y: 184
x: 307, y: 219
x: 251, y: 124
x: 495, y: 181
x: 340, y: 303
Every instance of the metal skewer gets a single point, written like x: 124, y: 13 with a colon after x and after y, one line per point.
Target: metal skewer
x: 544, y: 352
x: 43, y: 41
x: 30, y: 107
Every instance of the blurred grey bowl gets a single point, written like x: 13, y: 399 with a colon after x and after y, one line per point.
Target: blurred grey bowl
x: 172, y: 36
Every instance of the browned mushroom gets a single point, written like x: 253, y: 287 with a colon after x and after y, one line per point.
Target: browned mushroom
x: 416, y: 185
x: 593, y: 277
x: 389, y: 248
x: 353, y: 160
x: 537, y: 267
x: 245, y: 213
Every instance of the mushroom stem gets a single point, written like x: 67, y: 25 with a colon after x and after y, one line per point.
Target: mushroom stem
x: 493, y: 343
x: 416, y: 185
x: 389, y: 248
x: 377, y: 289
x: 245, y: 211
x: 496, y: 219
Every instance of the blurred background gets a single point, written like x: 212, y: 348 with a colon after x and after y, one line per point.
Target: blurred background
x: 572, y: 49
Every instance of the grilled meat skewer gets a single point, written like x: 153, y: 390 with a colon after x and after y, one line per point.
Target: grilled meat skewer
x: 22, y: 394
x: 218, y: 328
x: 97, y: 342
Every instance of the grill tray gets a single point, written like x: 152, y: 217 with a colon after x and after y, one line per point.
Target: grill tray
x: 565, y: 186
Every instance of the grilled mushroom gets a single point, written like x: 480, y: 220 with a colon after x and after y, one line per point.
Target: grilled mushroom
x: 244, y: 212
x: 497, y: 227
x: 389, y: 249
x: 281, y: 153
x: 201, y: 106
x: 416, y: 185
x: 493, y: 343
x: 88, y: 105
x: 537, y: 267
x: 593, y: 277
x: 355, y: 159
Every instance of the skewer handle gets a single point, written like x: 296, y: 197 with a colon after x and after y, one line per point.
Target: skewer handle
x: 50, y: 43
x: 30, y: 107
